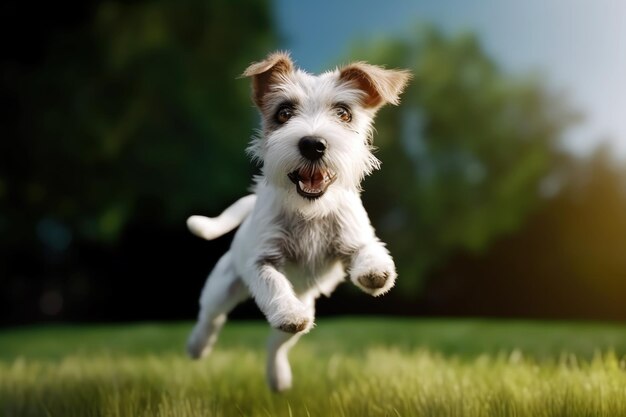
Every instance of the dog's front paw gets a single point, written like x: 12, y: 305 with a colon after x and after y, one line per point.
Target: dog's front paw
x: 295, y: 319
x: 376, y: 282
x: 373, y: 270
x: 294, y: 326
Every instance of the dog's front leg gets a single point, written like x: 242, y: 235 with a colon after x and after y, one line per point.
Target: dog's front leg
x: 372, y: 268
x: 274, y: 295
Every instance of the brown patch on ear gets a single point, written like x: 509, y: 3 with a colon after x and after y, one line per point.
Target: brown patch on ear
x: 381, y: 86
x: 267, y: 72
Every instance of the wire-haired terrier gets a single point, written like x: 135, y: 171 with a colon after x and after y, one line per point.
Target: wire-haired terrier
x: 304, y: 228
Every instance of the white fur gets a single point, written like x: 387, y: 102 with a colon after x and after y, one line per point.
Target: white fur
x: 289, y: 249
x: 211, y: 228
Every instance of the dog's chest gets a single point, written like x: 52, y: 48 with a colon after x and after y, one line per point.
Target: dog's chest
x: 311, y: 244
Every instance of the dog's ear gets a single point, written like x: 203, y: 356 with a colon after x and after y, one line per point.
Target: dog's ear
x: 381, y: 86
x: 267, y: 72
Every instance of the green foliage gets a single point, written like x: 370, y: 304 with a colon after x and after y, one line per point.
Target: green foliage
x: 139, y: 113
x: 343, y: 368
x: 464, y: 155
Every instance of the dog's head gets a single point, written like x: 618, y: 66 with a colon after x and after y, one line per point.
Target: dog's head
x: 317, y: 130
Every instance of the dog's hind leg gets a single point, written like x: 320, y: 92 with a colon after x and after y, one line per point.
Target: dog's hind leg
x: 222, y: 291
x: 278, y: 368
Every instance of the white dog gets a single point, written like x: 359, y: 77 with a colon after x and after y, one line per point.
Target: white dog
x: 304, y: 228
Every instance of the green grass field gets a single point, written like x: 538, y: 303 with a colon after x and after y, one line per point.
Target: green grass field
x: 344, y: 367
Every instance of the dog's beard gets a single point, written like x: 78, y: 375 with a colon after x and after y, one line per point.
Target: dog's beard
x: 312, y: 180
x: 314, y: 187
x: 308, y: 182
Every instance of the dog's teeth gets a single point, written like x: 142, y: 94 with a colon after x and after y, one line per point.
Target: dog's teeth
x: 308, y: 190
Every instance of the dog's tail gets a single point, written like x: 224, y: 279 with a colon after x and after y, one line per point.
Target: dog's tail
x: 210, y: 228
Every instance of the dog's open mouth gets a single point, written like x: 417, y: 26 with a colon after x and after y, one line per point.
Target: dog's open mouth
x: 312, y: 182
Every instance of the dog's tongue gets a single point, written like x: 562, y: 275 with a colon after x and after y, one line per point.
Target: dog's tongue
x: 312, y: 179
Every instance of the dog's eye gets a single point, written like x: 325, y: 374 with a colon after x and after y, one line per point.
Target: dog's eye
x: 343, y: 113
x: 284, y: 113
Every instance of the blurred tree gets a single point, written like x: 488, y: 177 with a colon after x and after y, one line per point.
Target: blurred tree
x: 568, y: 261
x: 463, y: 157
x: 124, y: 117
x: 134, y: 114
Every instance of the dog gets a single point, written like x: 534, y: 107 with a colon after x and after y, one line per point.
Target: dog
x: 304, y: 228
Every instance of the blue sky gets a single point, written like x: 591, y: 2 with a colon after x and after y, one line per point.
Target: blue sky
x: 579, y: 46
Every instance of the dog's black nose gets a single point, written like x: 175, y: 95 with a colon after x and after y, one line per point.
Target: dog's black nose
x: 312, y: 147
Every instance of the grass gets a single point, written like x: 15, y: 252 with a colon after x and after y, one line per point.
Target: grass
x: 345, y: 367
